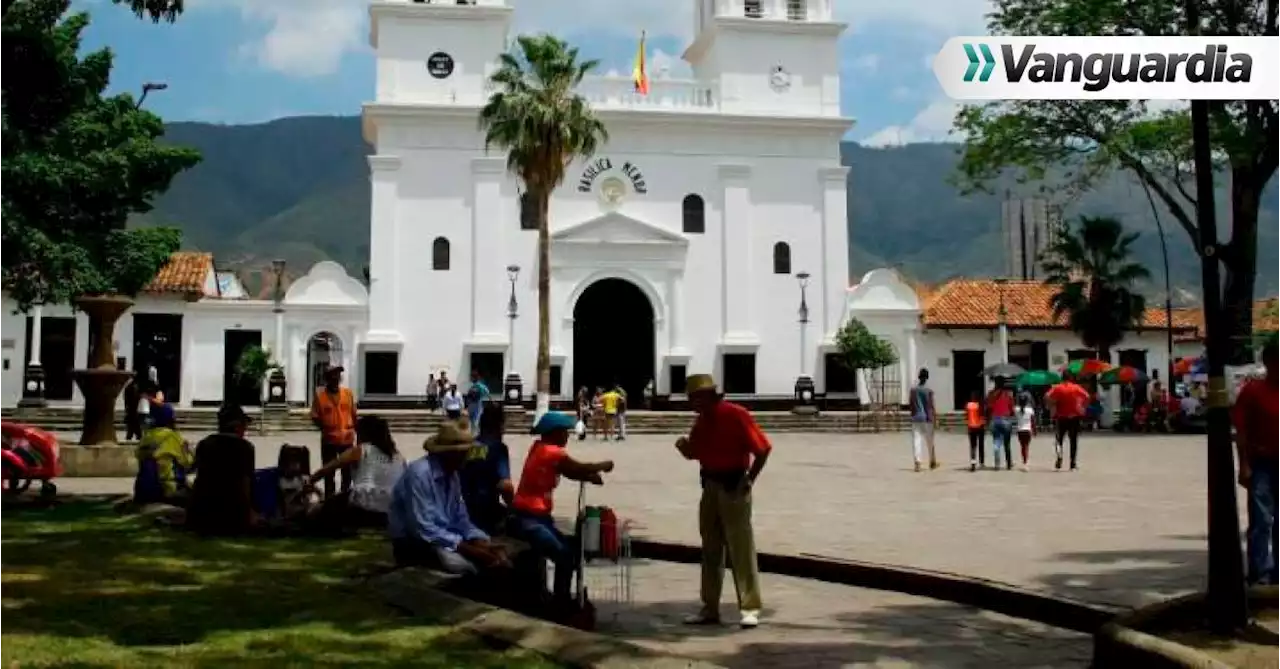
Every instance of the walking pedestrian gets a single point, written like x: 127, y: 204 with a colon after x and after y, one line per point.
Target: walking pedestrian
x: 1026, y: 419
x: 731, y: 451
x: 1255, y: 415
x: 451, y: 402
x: 977, y: 425
x: 609, y: 402
x: 132, y: 419
x: 622, y: 412
x: 1000, y: 416
x: 923, y: 420
x: 1069, y: 402
x: 433, y: 393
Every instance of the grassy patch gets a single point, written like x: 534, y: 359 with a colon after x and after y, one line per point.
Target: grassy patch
x: 85, y: 587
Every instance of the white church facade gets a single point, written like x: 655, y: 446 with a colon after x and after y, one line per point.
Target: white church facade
x: 685, y: 245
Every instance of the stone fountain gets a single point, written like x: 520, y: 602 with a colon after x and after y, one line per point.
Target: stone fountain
x: 101, y: 383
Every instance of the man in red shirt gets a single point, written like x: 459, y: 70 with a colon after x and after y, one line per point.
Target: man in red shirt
x: 1068, y: 401
x: 1255, y: 415
x: 732, y: 451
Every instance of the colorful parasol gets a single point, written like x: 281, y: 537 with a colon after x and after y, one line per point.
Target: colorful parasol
x: 1086, y: 367
x: 1123, y: 374
x: 1184, y: 366
x: 1003, y: 370
x: 1038, y: 378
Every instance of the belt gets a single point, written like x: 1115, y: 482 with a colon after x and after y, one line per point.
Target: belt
x: 731, y: 478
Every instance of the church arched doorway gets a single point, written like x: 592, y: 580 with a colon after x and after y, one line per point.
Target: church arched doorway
x: 613, y: 337
x: 323, y: 350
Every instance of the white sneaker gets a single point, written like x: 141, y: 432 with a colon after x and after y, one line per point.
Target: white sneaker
x: 749, y: 619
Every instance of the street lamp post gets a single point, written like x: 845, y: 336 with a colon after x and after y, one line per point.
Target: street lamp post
x: 147, y: 88
x: 277, y: 385
x: 33, y: 372
x: 513, y: 385
x: 804, y: 389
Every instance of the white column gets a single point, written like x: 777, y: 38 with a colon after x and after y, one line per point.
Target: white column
x: 675, y: 308
x: 488, y: 256
x: 913, y: 352
x: 735, y: 250
x: 384, y: 241
x: 37, y: 332
x: 863, y: 387
x: 277, y: 349
x: 186, y: 384
x: 1004, y: 342
x: 776, y: 9
x: 834, y: 279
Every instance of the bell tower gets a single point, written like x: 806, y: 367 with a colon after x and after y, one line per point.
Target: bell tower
x: 774, y: 57
x: 436, y: 51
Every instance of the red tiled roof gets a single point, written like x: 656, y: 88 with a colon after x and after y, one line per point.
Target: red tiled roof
x: 185, y: 273
x: 975, y: 303
x: 1265, y: 318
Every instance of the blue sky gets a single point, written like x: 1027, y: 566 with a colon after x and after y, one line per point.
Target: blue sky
x: 245, y: 61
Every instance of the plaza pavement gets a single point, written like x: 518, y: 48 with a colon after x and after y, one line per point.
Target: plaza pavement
x: 1127, y: 528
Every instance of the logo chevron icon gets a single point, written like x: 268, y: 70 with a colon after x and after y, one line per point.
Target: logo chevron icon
x: 988, y: 62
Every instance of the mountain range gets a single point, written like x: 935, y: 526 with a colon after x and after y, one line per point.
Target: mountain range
x: 298, y: 188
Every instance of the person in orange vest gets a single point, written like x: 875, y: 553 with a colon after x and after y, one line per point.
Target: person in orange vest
x: 333, y: 412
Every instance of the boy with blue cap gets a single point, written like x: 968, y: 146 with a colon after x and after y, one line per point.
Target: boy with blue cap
x: 547, y: 461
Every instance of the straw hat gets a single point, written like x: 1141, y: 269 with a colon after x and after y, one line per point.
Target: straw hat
x: 699, y: 382
x: 449, y: 437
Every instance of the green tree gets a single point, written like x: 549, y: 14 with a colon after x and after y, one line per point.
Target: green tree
x: 1095, y: 277
x: 535, y: 115
x: 1091, y: 139
x: 156, y: 10
x: 859, y: 349
x: 76, y: 165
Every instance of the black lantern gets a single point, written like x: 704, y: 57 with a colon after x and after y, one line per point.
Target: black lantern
x: 33, y: 387
x: 805, y: 390
x: 513, y: 385
x: 277, y: 384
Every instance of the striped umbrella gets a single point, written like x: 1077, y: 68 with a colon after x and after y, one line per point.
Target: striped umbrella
x: 1038, y: 378
x: 1187, y: 365
x: 1123, y: 374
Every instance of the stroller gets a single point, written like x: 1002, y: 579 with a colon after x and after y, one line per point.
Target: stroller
x: 601, y: 538
x: 30, y: 454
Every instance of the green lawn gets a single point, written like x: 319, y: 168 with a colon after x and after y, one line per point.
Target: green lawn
x: 85, y: 587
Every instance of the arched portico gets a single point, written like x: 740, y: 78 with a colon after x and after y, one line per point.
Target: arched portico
x: 615, y: 322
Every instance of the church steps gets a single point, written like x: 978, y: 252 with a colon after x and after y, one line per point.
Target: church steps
x: 67, y: 419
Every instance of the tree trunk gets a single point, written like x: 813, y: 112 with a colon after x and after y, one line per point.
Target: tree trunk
x: 542, y: 199
x: 1241, y: 264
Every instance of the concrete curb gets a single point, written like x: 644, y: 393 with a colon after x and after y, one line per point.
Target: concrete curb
x: 415, y: 590
x: 1120, y: 643
x: 968, y: 590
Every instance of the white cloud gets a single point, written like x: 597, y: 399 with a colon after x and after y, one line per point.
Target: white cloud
x: 310, y: 37
x: 932, y: 124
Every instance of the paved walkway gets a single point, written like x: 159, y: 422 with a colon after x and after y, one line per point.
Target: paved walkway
x: 1126, y: 529
x: 811, y: 625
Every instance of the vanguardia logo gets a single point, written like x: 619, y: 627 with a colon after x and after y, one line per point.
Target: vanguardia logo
x: 988, y: 62
x: 1109, y: 68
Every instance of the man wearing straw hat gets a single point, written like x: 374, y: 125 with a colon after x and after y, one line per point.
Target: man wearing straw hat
x: 427, y: 520
x: 731, y: 450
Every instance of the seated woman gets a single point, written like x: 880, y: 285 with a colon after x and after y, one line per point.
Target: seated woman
x: 547, y: 461
x: 376, y: 467
x: 164, y: 459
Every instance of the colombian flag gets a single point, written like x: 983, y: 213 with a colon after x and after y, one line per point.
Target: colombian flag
x: 638, y: 75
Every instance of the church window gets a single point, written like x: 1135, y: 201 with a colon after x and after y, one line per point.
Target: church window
x: 694, y: 212
x: 795, y: 9
x: 440, y: 254
x: 753, y: 9
x: 528, y: 212
x: 781, y: 258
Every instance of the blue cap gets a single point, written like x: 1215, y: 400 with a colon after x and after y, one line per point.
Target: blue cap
x: 552, y: 421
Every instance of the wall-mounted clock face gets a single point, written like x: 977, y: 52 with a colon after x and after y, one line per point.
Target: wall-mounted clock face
x: 780, y: 79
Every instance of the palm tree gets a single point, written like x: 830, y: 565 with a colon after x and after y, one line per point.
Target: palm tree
x: 1095, y: 276
x: 535, y: 115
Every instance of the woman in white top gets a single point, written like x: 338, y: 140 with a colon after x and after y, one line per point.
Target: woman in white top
x: 376, y: 465
x: 1026, y: 423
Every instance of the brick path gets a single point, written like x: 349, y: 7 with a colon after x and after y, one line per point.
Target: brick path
x: 1126, y: 529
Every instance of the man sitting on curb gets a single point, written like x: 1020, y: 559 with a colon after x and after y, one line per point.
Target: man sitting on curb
x: 427, y: 520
